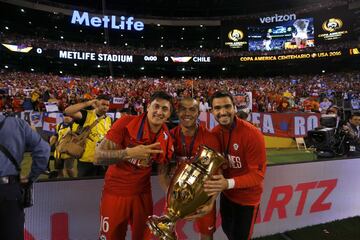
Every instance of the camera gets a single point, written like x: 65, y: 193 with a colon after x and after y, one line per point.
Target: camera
x: 329, y: 140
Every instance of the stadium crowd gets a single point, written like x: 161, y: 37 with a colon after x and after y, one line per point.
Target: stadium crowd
x: 21, y: 91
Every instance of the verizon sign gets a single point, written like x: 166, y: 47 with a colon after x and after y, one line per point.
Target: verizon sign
x: 278, y: 18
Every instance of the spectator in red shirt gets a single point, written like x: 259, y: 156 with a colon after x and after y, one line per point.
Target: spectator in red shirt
x: 242, y: 182
x: 129, y: 148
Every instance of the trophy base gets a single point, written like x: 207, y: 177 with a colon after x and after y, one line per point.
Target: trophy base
x: 161, y: 227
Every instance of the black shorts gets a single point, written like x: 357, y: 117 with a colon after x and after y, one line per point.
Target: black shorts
x: 237, y: 221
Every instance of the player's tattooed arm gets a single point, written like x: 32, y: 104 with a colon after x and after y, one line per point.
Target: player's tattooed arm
x: 108, y: 152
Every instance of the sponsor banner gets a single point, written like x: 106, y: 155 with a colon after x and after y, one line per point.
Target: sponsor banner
x: 302, y: 195
x: 300, y: 56
x: 288, y: 125
x: 334, y: 25
x: 285, y: 124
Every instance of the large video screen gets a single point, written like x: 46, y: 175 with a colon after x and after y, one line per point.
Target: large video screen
x: 293, y: 34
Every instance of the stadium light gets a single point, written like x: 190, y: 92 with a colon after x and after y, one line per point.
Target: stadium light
x: 158, y: 25
x: 201, y: 46
x: 102, y: 33
x: 31, y: 69
x: 202, y: 38
x: 183, y: 29
x: 142, y: 36
x: 30, y: 22
x: 162, y: 37
x: 6, y: 27
x: 224, y: 69
x: 126, y: 44
x: 62, y: 37
x: 80, y: 30
x: 182, y: 38
x: 200, y: 77
x: 6, y: 66
x: 22, y: 10
x: 201, y: 25
x: 183, y: 69
x: 323, y: 71
x: 182, y: 77
x: 105, y: 42
x: 161, y: 77
x: 98, y: 66
x: 161, y: 45
x: 75, y: 64
x: 142, y: 68
x: 218, y: 37
x: 60, y: 72
x: 55, y: 27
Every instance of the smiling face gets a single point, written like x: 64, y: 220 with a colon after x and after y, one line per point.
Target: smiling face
x: 188, y: 112
x: 223, y: 110
x: 159, y: 110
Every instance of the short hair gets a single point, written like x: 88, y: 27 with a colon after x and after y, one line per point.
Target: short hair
x: 103, y: 97
x: 188, y: 98
x: 162, y: 95
x: 221, y: 94
x: 355, y: 114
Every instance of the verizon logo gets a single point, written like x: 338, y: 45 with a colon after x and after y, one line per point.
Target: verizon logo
x: 278, y: 18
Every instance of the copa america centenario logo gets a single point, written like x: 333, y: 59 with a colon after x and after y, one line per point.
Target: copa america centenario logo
x: 332, y: 24
x: 235, y: 35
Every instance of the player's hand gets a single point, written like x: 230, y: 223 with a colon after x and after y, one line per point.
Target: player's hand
x: 143, y: 153
x: 215, y: 185
x: 200, y: 212
x: 93, y: 103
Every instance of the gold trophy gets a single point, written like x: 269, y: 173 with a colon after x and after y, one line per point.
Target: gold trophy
x: 186, y: 193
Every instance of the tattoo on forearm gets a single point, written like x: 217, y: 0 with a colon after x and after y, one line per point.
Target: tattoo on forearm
x: 108, y: 153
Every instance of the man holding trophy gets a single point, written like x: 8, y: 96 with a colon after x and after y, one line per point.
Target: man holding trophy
x: 188, y: 136
x: 242, y: 182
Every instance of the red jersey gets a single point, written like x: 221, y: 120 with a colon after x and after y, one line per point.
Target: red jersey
x: 203, y: 136
x: 244, y: 147
x: 124, y: 178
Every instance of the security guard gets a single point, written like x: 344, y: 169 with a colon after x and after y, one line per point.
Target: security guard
x: 16, y: 138
x: 85, y: 118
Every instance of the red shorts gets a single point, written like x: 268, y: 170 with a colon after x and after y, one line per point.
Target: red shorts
x: 207, y: 223
x: 116, y: 212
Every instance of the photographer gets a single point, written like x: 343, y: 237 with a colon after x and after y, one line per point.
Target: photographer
x: 16, y: 138
x: 352, y: 131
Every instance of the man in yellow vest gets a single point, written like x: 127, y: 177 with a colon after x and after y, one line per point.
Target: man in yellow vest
x: 63, y: 162
x: 85, y: 118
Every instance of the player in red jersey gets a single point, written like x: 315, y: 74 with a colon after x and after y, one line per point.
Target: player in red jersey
x: 129, y: 147
x: 188, y: 136
x: 242, y: 182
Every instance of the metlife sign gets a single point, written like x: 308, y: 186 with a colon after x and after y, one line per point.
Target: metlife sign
x: 113, y: 22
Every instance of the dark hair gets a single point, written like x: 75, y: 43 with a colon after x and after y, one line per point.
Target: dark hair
x: 162, y: 95
x: 221, y: 94
x: 242, y: 115
x: 355, y: 114
x: 103, y: 97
